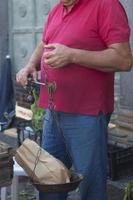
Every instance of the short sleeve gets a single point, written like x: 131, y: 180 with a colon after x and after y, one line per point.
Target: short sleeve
x: 113, y: 22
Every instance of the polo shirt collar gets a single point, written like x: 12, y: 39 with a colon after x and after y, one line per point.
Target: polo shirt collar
x: 75, y: 5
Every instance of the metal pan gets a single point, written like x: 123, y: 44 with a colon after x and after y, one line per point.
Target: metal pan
x: 67, y: 187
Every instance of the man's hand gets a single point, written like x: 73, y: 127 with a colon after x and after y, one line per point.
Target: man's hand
x: 32, y: 66
x: 23, y: 74
x: 56, y: 55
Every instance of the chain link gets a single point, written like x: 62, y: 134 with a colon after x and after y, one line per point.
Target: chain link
x: 51, y: 86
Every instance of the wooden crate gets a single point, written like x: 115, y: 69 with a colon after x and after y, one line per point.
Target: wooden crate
x: 6, y: 165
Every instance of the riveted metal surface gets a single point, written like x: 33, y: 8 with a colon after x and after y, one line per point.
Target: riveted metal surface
x: 27, y: 18
x: 126, y: 79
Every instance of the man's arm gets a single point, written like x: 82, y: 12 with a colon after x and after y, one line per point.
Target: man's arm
x: 117, y: 57
x: 32, y: 66
x: 34, y: 61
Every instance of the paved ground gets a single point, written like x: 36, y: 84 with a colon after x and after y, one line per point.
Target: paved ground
x: 26, y: 190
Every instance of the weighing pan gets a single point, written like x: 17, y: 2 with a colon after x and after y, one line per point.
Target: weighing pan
x: 66, y: 187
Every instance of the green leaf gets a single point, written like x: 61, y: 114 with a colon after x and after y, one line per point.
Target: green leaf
x: 129, y: 191
x: 37, y: 113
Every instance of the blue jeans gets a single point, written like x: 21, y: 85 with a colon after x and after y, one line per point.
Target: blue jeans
x: 86, y: 148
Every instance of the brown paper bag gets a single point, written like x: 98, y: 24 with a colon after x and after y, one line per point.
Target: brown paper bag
x: 48, y: 170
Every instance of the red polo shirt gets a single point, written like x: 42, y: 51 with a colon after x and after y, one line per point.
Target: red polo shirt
x: 91, y: 25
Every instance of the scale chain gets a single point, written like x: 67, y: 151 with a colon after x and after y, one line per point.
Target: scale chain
x: 51, y: 86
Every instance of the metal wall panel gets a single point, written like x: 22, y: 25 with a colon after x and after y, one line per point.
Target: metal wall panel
x: 42, y: 10
x: 126, y: 78
x: 23, y: 45
x: 27, y: 18
x: 23, y: 14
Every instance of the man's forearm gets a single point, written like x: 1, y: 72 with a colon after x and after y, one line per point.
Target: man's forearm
x: 35, y: 58
x: 109, y: 60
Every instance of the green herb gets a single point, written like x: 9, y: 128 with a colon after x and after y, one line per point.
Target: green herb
x: 37, y: 113
x: 129, y: 191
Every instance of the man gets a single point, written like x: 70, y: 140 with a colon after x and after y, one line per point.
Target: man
x: 84, y: 42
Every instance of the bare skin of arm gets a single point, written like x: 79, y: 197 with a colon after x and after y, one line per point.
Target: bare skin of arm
x: 117, y: 57
x: 32, y: 66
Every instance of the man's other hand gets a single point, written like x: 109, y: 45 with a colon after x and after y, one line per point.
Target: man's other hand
x: 56, y: 55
